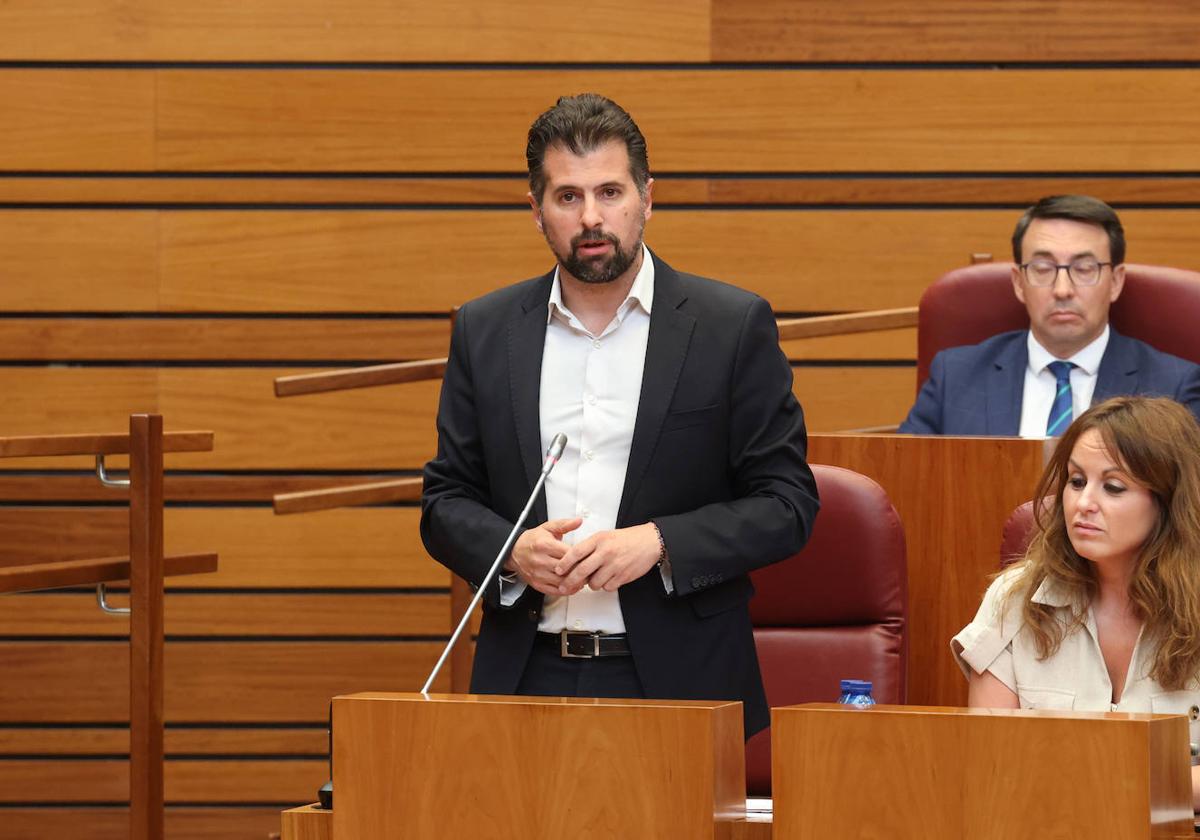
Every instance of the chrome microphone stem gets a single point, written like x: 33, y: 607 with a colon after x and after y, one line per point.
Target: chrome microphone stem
x: 556, y: 448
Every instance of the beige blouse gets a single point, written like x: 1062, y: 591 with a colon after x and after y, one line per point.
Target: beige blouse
x: 1074, y: 677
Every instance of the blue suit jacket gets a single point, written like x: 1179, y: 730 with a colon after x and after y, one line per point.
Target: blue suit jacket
x: 977, y: 390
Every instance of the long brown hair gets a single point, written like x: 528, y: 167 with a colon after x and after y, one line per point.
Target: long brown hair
x: 1157, y: 442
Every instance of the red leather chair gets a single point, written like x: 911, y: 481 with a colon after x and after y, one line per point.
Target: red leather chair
x: 837, y: 610
x: 968, y: 305
x: 1018, y: 530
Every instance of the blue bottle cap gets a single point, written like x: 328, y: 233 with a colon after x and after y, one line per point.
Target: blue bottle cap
x: 856, y: 686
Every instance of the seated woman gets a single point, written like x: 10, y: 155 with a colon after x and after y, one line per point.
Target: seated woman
x: 1103, y: 614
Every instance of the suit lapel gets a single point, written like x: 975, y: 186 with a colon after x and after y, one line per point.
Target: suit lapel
x: 526, y: 340
x: 1118, y: 369
x: 666, y: 349
x: 1006, y: 391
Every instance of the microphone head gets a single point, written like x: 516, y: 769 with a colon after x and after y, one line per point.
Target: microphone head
x: 556, y: 447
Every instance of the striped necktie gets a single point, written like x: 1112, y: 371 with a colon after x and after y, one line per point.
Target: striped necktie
x: 1061, y: 409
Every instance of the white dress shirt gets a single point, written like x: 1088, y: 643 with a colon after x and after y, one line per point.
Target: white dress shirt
x: 1041, y: 386
x: 590, y: 389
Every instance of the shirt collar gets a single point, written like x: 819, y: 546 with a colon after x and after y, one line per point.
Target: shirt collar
x: 1050, y: 594
x: 1087, y: 359
x: 641, y: 293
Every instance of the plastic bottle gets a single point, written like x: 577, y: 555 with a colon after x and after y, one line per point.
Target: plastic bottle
x: 856, y: 693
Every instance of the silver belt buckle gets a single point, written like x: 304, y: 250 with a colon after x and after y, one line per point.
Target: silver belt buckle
x: 564, y: 649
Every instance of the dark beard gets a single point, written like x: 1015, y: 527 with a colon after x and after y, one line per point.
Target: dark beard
x: 603, y: 270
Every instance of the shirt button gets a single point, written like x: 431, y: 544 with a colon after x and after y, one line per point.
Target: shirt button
x: 578, y: 624
x: 596, y: 343
x: 589, y: 454
x: 585, y: 513
x: 591, y: 399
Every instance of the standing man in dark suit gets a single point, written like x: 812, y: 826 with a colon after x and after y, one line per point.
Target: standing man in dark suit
x: 1069, y: 252
x: 685, y: 465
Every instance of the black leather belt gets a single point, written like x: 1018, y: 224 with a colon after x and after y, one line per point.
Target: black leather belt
x: 581, y: 644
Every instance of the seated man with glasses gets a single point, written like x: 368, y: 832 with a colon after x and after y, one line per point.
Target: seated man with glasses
x: 1069, y: 252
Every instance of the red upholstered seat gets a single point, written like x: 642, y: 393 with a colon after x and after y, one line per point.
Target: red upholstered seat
x: 1018, y: 530
x: 837, y: 610
x: 1160, y: 306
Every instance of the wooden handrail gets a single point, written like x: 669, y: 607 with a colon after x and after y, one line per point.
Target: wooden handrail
x: 61, y: 573
x: 848, y: 323
x: 362, y: 377
x: 37, y: 445
x: 375, y: 493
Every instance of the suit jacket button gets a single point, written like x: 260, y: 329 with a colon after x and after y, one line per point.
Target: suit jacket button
x: 533, y: 615
x: 697, y: 583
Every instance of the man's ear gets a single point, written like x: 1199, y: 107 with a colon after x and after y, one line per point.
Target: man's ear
x: 537, y: 211
x: 1018, y: 286
x: 1118, y: 282
x: 649, y: 201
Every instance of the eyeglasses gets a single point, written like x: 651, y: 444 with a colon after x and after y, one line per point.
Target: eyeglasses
x: 1084, y: 271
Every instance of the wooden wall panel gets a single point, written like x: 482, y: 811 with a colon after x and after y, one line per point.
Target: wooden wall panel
x: 77, y: 119
x: 345, y: 548
x: 78, y: 260
x: 237, y: 614
x: 75, y: 740
x: 377, y: 428
x: 538, y: 30
x: 714, y: 120
x: 251, y: 682
x: 946, y: 30
x: 182, y: 823
x: 230, y: 781
x: 336, y: 340
x: 399, y: 261
x: 354, y: 30
x: 508, y: 190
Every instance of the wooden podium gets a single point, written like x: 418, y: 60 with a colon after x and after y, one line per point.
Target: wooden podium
x: 978, y: 774
x: 447, y: 767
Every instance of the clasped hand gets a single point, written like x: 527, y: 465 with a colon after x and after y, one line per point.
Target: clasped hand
x: 606, y: 560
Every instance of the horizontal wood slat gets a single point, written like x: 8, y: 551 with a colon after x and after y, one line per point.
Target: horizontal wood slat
x: 775, y: 30
x: 363, y: 547
x: 303, y: 339
x: 248, y: 823
x: 374, y: 428
x: 714, y: 120
x: 943, y: 30
x: 76, y: 614
x: 669, y: 190
x: 58, y: 780
x: 77, y: 119
x: 250, y: 682
x: 184, y: 339
x: 68, y: 487
x: 723, y: 120
x: 98, y: 444
x: 207, y: 741
x: 64, y: 573
x: 429, y: 261
x: 356, y: 30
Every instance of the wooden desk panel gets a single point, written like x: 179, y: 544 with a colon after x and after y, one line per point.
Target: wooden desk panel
x: 953, y: 496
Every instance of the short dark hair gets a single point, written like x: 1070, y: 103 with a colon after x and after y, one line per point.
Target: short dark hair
x: 1077, y: 208
x: 582, y: 124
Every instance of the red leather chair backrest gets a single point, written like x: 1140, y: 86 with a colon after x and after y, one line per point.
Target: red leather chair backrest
x: 836, y: 610
x: 1018, y: 530
x: 1159, y: 305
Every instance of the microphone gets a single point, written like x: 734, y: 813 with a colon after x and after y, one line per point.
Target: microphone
x: 557, y: 445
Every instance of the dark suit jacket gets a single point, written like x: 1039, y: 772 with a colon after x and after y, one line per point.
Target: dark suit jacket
x: 717, y: 462
x: 977, y: 390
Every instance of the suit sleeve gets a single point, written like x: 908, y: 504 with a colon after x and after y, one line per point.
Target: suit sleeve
x: 773, y: 494
x: 459, y: 527
x: 925, y: 417
x: 1189, y: 391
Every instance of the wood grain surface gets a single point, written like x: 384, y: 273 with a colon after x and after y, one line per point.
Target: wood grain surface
x: 651, y: 769
x: 907, y: 772
x: 953, y: 496
x: 207, y: 681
